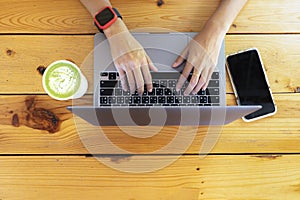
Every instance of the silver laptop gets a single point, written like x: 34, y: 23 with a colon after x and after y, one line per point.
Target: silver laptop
x: 164, y: 105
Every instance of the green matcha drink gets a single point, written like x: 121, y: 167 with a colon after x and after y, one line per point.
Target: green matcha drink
x: 63, y: 80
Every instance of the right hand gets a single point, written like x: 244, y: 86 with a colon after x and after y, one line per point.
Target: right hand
x: 130, y: 59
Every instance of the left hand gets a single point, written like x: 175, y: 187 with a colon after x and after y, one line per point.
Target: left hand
x: 201, y: 55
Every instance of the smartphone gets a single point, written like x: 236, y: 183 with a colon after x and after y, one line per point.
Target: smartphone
x: 250, y: 83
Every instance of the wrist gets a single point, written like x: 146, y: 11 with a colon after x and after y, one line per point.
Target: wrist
x: 117, y: 27
x: 216, y: 28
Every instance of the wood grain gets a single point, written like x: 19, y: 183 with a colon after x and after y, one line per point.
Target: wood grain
x: 37, y: 162
x: 279, y: 133
x: 20, y: 55
x: 70, y: 17
x: 215, y: 177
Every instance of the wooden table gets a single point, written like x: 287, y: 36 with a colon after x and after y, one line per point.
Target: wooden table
x: 258, y: 160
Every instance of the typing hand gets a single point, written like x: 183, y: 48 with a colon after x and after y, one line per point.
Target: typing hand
x: 130, y: 60
x: 201, y: 55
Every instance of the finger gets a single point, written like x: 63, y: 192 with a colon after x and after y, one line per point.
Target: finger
x: 139, y: 80
x: 193, y: 82
x: 183, y: 77
x: 131, y: 80
x: 202, y: 69
x: 201, y: 81
x: 147, y: 76
x: 211, y: 70
x: 180, y: 59
x: 123, y: 79
x: 150, y: 64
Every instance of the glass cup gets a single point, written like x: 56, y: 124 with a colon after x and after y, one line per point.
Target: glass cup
x: 63, y: 80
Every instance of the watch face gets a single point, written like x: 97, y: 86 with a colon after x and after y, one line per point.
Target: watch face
x: 105, y: 16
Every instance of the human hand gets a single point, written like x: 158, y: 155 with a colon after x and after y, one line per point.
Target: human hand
x: 130, y: 60
x: 201, y: 55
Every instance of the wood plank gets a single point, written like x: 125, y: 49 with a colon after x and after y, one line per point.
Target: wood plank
x: 271, y: 135
x: 279, y: 53
x: 215, y: 177
x: 70, y: 17
x: 22, y: 55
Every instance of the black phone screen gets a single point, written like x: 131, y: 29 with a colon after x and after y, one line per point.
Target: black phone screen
x: 249, y: 80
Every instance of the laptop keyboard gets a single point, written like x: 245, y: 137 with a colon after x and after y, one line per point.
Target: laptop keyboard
x: 163, y: 93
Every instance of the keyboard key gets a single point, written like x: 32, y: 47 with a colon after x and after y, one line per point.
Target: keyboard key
x: 195, y: 99
x: 213, y: 83
x: 212, y: 91
x: 153, y: 100
x: 120, y: 100
x: 119, y: 85
x: 103, y: 100
x: 152, y: 93
x: 145, y: 92
x: 111, y: 100
x: 106, y: 92
x: 213, y: 99
x: 112, y: 76
x: 172, y: 83
x: 104, y: 74
x: 128, y: 100
x: 161, y: 100
x: 159, y: 91
x: 215, y: 75
x: 174, y: 92
x: 155, y: 83
x: 145, y: 100
x: 163, y: 83
x: 203, y: 99
x: 137, y: 100
x: 186, y: 99
x: 178, y: 99
x: 118, y: 92
x: 135, y: 93
x: 168, y: 92
x: 170, y: 99
x: 201, y: 92
x: 126, y: 93
x: 108, y: 84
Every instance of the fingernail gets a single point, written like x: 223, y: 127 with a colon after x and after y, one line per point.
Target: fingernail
x: 174, y: 64
x: 150, y: 90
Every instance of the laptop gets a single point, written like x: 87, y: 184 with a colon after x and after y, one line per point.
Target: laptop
x: 164, y: 106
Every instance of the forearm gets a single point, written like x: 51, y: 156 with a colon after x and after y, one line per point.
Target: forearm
x: 93, y: 6
x: 225, y: 14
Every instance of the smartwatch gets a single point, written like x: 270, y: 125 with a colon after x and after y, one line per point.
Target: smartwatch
x: 106, y: 17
